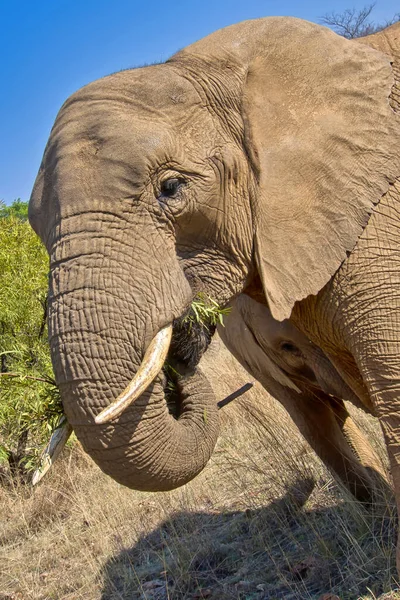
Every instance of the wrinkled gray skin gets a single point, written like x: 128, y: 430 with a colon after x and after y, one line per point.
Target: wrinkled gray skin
x: 299, y: 374
x: 254, y: 157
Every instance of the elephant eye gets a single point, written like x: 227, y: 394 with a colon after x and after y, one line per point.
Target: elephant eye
x: 171, y: 187
x: 291, y: 348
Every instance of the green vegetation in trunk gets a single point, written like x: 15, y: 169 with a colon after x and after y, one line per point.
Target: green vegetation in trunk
x: 206, y: 311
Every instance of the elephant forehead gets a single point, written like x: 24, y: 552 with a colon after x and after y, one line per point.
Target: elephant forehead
x: 132, y: 118
x: 151, y: 96
x: 158, y: 89
x: 111, y: 142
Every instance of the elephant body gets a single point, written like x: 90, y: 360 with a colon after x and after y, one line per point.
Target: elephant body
x: 262, y: 159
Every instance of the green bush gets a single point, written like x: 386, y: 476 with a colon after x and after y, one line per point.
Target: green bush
x: 29, y: 401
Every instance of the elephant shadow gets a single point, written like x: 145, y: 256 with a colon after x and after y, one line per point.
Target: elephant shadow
x: 288, y: 549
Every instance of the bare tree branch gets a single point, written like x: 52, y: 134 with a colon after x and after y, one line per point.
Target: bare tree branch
x: 352, y: 23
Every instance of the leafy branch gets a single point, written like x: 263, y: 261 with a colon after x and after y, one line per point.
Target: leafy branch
x: 206, y: 311
x: 30, y: 404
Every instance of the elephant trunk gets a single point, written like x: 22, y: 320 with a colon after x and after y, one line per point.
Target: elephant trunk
x: 99, y: 331
x: 151, y: 366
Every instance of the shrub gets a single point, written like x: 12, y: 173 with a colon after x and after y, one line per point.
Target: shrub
x: 29, y: 399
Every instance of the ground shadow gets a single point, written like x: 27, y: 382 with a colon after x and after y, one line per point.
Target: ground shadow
x: 282, y: 551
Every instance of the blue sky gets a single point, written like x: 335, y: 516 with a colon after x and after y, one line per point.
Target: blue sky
x: 48, y: 49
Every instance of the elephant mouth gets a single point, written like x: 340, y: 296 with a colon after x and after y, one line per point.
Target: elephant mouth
x: 190, y: 340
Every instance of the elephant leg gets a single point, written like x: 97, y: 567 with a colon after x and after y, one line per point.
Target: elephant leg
x: 382, y: 376
x: 358, y: 314
x: 361, y: 447
x: 323, y: 423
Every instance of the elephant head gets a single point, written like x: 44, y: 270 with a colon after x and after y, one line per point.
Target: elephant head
x: 277, y: 351
x: 231, y: 160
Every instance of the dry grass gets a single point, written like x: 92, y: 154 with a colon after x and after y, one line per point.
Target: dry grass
x: 263, y: 521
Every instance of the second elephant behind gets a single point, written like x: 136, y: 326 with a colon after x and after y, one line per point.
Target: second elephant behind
x: 298, y: 374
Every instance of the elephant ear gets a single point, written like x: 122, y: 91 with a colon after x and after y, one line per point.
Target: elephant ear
x: 316, y: 115
x: 324, y: 142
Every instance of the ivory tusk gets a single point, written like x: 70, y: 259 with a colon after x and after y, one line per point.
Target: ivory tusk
x: 58, y: 439
x: 152, y: 363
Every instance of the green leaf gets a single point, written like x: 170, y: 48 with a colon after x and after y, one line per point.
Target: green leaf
x: 29, y: 399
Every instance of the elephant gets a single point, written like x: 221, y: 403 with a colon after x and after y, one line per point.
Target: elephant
x: 261, y: 159
x: 301, y: 377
